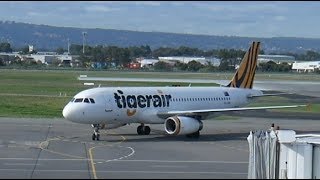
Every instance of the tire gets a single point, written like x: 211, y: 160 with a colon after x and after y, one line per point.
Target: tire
x: 139, y: 130
x: 147, y: 130
x: 93, y: 136
x: 98, y: 137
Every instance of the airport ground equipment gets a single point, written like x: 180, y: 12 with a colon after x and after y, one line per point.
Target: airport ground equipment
x: 282, y: 154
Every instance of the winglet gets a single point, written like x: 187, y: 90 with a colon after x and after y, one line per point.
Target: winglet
x: 244, y: 76
x: 308, y: 107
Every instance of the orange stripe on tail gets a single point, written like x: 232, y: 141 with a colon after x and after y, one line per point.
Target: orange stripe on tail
x: 244, y: 76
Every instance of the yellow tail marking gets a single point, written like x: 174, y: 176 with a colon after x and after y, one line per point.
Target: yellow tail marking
x: 244, y: 76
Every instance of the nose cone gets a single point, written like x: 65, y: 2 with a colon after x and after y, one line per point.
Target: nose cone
x: 66, y: 112
x: 70, y: 113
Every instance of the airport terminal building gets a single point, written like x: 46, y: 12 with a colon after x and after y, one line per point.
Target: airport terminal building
x: 184, y: 59
x: 276, y: 58
x: 308, y: 66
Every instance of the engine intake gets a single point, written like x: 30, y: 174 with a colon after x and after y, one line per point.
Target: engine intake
x: 181, y: 125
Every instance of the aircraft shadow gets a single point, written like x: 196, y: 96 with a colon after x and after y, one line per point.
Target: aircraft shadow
x: 157, y: 137
x: 167, y: 138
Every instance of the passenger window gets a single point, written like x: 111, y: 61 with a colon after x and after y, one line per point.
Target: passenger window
x: 91, y: 100
x: 86, y: 100
x: 78, y: 100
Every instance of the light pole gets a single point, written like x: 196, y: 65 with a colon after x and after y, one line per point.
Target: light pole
x: 83, y: 40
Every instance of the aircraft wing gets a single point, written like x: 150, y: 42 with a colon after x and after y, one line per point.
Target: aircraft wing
x: 193, y: 112
x: 276, y: 94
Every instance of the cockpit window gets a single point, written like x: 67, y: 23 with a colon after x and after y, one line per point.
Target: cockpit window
x: 86, y: 100
x: 91, y: 100
x: 72, y: 100
x: 78, y: 100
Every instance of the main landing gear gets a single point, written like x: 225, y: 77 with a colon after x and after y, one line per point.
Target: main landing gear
x: 96, y: 135
x: 143, y: 130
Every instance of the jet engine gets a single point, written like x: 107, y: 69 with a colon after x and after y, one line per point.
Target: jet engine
x: 111, y: 126
x: 182, y: 125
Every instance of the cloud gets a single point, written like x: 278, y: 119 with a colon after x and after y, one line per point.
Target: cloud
x: 148, y: 3
x: 96, y: 8
x: 177, y: 3
x: 242, y: 7
x: 33, y: 14
x: 280, y: 18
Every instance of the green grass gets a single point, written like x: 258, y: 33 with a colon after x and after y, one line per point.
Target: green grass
x: 54, y: 82
x: 226, y: 117
x: 313, y: 108
x: 32, y: 106
x: 16, y: 85
x: 282, y: 101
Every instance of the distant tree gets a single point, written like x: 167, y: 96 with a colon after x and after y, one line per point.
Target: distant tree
x: 164, y: 51
x: 75, y: 49
x: 123, y: 56
x: 284, y: 67
x: 147, y: 51
x: 225, y: 66
x: 160, y: 65
x: 230, y: 58
x: 270, y: 66
x: 211, y: 53
x: 25, y: 50
x: 181, y: 66
x: 2, y: 62
x: 5, y: 47
x: 60, y: 50
x: 209, y: 68
x: 85, y: 61
x: 194, y: 65
x: 312, y: 56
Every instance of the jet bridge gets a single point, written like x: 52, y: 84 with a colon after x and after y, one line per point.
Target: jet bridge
x: 282, y: 154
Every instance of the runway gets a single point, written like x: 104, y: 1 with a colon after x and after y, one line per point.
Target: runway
x: 55, y: 148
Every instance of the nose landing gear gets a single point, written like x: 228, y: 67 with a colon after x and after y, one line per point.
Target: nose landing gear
x: 96, y: 135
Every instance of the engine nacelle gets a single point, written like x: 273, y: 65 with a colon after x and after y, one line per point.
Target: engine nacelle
x: 111, y: 126
x: 182, y: 125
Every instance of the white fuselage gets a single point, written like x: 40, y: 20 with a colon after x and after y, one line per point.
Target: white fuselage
x: 142, y: 104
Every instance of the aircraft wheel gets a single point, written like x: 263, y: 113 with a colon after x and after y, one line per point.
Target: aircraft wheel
x: 147, y: 130
x: 98, y: 137
x: 139, y: 130
x: 93, y: 136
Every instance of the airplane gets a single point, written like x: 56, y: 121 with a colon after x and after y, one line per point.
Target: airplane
x: 180, y: 109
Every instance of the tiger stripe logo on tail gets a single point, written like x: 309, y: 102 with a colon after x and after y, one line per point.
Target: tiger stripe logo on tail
x: 244, y: 76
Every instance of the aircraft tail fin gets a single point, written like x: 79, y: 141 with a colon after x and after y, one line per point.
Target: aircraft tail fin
x: 244, y: 76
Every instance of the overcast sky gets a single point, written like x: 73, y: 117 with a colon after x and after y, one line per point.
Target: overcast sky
x: 243, y: 18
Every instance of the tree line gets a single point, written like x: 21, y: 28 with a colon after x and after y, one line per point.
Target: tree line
x: 120, y: 56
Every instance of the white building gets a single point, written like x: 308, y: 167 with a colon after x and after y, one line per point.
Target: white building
x: 307, y: 66
x: 276, y: 58
x: 148, y: 62
x: 182, y: 59
x: 31, y: 48
x: 48, y: 58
